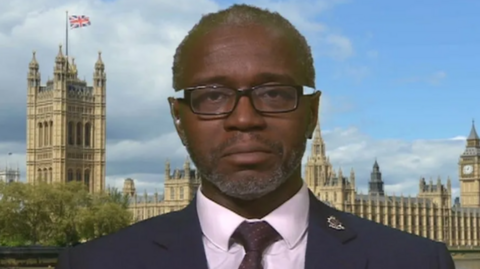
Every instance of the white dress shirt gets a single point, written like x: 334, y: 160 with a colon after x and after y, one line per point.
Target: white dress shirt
x: 290, y: 220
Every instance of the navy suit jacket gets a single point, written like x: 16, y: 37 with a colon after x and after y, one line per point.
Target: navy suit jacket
x: 174, y: 241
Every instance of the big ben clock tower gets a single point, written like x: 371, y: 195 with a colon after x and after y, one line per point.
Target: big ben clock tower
x: 469, y: 171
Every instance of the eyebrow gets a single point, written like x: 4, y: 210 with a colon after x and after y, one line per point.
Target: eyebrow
x: 274, y: 77
x: 259, y: 78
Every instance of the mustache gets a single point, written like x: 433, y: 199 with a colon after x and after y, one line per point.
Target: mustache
x: 275, y: 147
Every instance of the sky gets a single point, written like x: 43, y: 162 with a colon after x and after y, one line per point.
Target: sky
x: 399, y: 79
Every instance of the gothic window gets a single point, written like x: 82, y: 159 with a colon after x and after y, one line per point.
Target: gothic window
x: 51, y: 133
x: 39, y: 175
x: 181, y: 193
x: 317, y: 149
x: 79, y: 175
x: 86, y: 177
x: 70, y: 175
x: 50, y: 175
x: 71, y: 134
x: 79, y: 134
x: 88, y: 132
x: 172, y: 193
x: 40, y: 134
x: 45, y: 175
x: 45, y: 133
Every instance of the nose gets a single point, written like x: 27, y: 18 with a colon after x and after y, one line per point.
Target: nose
x: 244, y: 117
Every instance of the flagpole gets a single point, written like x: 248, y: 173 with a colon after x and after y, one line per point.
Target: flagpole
x: 66, y: 38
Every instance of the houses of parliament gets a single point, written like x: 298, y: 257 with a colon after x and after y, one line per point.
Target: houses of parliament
x: 66, y: 124
x: 66, y: 141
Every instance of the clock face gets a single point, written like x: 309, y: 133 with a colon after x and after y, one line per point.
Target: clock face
x: 467, y: 169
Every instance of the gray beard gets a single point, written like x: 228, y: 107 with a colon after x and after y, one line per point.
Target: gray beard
x: 249, y: 187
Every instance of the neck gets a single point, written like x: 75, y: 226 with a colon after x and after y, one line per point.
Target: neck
x: 258, y: 208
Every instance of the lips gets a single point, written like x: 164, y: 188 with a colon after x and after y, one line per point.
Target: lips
x: 245, y: 149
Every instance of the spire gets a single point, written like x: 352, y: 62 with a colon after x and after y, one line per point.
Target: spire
x: 99, y: 65
x: 167, y: 169
x: 376, y: 182
x: 186, y: 168
x: 167, y: 165
x: 375, y: 165
x: 60, y: 53
x: 318, y: 146
x: 317, y: 134
x: 33, y: 63
x: 59, y: 64
x: 473, y: 132
x: 73, y: 67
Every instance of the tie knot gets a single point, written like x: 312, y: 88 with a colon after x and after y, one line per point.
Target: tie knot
x: 255, y: 236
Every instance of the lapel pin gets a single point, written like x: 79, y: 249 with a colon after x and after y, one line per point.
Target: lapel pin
x: 335, y: 223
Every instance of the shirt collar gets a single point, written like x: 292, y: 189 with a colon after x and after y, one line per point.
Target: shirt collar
x: 290, y: 219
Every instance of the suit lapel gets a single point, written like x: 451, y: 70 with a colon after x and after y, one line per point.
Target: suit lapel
x: 182, y: 241
x: 330, y: 248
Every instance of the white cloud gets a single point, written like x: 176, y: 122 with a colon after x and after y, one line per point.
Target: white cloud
x: 343, y: 46
x: 355, y: 72
x: 435, y: 78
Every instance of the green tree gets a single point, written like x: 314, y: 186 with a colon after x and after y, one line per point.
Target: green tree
x: 58, y: 214
x: 68, y: 202
x: 118, y: 197
x: 106, y: 215
x: 11, y: 223
x: 35, y: 212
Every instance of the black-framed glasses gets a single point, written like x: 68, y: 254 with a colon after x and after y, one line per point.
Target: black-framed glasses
x: 221, y: 100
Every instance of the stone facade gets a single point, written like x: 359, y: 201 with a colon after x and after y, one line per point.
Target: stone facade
x: 179, y: 189
x: 66, y: 125
x: 10, y: 174
x: 429, y: 214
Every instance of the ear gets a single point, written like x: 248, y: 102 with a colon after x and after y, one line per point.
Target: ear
x: 175, y: 113
x: 313, y: 119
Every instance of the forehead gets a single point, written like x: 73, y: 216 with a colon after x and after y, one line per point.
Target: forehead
x: 240, y: 55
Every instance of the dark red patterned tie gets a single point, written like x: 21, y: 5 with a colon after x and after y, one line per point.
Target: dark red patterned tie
x: 255, y: 238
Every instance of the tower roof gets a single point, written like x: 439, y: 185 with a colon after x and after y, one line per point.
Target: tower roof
x: 33, y: 63
x: 60, y: 55
x: 473, y: 132
x: 375, y: 164
x: 99, y: 64
x: 317, y: 134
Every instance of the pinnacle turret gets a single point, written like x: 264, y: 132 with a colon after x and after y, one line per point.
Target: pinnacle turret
x: 318, y: 146
x: 375, y: 165
x: 60, y: 57
x: 33, y: 63
x: 99, y: 65
x: 376, y: 182
x: 473, y: 132
x: 317, y: 133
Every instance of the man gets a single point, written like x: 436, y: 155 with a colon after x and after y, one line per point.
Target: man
x: 245, y: 117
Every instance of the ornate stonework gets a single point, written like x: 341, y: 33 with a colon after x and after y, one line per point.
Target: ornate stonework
x: 179, y: 189
x: 66, y: 125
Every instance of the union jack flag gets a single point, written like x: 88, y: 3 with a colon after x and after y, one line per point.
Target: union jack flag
x: 78, y: 21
